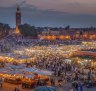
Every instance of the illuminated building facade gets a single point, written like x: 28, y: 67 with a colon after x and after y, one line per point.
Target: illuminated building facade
x: 68, y: 35
x: 54, y: 35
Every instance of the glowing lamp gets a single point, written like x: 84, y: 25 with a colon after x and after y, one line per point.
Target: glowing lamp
x: 49, y: 37
x: 67, y: 37
x: 53, y: 37
x: 61, y: 37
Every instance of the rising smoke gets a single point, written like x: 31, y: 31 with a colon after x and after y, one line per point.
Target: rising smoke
x: 21, y: 3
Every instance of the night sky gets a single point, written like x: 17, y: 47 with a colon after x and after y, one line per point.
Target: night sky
x: 55, y: 13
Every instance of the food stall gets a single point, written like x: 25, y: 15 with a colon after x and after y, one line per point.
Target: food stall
x: 43, y: 74
x: 28, y: 81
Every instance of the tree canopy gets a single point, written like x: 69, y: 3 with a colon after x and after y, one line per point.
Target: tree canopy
x: 4, y: 29
x: 28, y: 30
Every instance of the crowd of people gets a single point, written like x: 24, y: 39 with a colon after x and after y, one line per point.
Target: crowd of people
x: 11, y: 42
x: 64, y: 71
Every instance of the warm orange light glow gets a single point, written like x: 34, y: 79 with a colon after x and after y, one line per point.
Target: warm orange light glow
x: 94, y: 36
x: 17, y: 30
x: 43, y: 37
x: 53, y: 37
x: 49, y: 37
x: 85, y: 35
x: 67, y: 37
x: 61, y: 37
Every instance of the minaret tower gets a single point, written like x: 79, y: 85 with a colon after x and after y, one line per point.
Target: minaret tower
x: 18, y: 19
x: 18, y: 16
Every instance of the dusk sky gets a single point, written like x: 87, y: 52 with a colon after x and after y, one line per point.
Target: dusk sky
x: 56, y: 13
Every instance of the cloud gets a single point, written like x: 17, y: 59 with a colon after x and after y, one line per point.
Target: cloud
x: 21, y: 3
x: 39, y: 17
x: 70, y: 6
x: 50, y: 12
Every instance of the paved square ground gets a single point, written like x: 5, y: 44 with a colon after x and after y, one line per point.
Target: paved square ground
x: 66, y: 87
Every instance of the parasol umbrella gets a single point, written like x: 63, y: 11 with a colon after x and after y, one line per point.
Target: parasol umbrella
x: 38, y: 71
x: 29, y: 75
x: 45, y: 88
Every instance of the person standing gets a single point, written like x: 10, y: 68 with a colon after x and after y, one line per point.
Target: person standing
x: 71, y: 89
x: 1, y: 81
x: 15, y: 89
x: 80, y: 87
x: 51, y: 80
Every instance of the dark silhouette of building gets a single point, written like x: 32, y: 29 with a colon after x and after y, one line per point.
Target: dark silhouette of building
x: 18, y: 16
